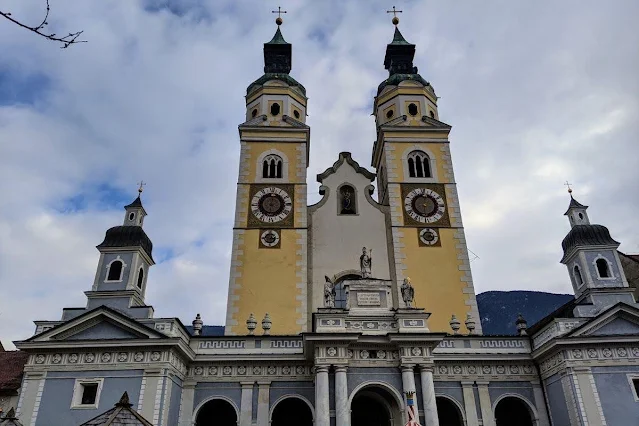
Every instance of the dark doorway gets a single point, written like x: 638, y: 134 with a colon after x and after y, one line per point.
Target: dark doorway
x: 368, y: 409
x: 449, y: 414
x: 216, y: 412
x: 512, y: 411
x: 292, y: 412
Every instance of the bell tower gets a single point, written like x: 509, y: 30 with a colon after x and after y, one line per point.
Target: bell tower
x: 415, y: 178
x: 269, y: 255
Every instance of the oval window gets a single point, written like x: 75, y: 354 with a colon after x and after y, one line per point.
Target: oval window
x: 412, y: 109
x: 296, y: 114
x: 275, y: 109
x: 390, y: 113
x: 131, y: 216
x: 254, y: 113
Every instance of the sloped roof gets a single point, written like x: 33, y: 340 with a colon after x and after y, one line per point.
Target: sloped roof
x: 345, y: 156
x: 12, y: 365
x: 120, y: 415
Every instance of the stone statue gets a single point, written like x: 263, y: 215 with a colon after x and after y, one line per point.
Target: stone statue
x: 329, y: 293
x: 366, y: 262
x: 408, y: 293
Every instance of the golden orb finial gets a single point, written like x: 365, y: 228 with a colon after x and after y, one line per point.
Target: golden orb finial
x: 141, y: 187
x: 395, y: 20
x: 279, y: 21
x: 279, y: 12
x: 569, y: 188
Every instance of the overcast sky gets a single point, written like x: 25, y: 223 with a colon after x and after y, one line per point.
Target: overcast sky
x: 537, y: 93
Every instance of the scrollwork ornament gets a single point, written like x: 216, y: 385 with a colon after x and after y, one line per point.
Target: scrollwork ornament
x: 486, y: 369
x: 241, y: 370
x: 105, y: 357
x: 635, y: 352
x: 622, y: 352
x: 416, y: 351
x: 299, y: 369
x: 501, y: 369
x: 331, y: 351
x: 576, y: 353
x: 39, y: 359
x: 123, y: 356
x: 528, y: 369
x: 349, y: 353
x: 271, y: 370
x: 457, y: 369
x: 73, y: 358
x: 443, y: 369
x: 607, y: 352
x: 90, y: 357
x: 227, y: 370
x: 56, y: 358
x: 514, y: 369
x: 155, y: 356
x: 472, y: 369
x: 381, y: 354
x: 286, y: 370
x: 212, y: 371
x: 139, y: 356
x: 198, y: 371
x: 364, y: 354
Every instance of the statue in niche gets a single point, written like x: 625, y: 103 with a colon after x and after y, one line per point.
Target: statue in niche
x: 408, y: 293
x: 329, y: 293
x: 366, y: 262
x: 347, y: 200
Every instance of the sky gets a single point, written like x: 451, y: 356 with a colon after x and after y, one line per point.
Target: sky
x: 537, y: 93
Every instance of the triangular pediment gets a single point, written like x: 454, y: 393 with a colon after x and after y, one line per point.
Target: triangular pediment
x: 99, y: 324
x: 621, y: 319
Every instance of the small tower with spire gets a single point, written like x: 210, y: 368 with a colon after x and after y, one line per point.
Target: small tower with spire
x: 593, y: 263
x: 125, y: 259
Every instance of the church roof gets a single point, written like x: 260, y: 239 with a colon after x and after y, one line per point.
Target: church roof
x: 120, y: 415
x: 586, y: 235
x: 278, y: 38
x: 136, y: 203
x: 345, y: 156
x: 127, y: 236
x: 574, y: 204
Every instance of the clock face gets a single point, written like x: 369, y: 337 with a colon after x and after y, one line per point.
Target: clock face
x: 271, y: 204
x: 424, y: 205
x: 270, y: 238
x: 428, y: 237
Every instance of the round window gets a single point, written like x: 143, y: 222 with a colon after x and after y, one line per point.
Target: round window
x: 412, y: 109
x: 275, y: 109
x: 390, y: 113
x: 131, y: 216
x: 581, y: 216
x: 254, y: 113
x: 296, y: 113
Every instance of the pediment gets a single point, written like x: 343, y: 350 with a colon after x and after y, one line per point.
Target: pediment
x: 99, y: 324
x: 621, y: 319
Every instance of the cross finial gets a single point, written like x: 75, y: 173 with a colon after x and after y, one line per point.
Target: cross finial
x: 395, y: 12
x: 142, y: 185
x: 569, y: 188
x: 279, y: 12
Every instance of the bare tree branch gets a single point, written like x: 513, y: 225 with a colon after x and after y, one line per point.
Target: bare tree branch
x: 67, y: 40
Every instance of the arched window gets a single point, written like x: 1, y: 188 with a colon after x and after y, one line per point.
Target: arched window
x: 602, y: 268
x: 115, y: 271
x: 577, y: 273
x: 272, y: 167
x: 432, y: 114
x: 347, y: 200
x: 419, y: 165
x: 140, y: 277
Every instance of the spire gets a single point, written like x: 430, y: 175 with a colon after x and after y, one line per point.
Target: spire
x: 277, y: 52
x: 399, y: 52
x: 576, y: 211
x: 135, y: 212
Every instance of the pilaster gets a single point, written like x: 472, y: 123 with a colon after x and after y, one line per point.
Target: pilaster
x: 246, y: 404
x: 431, y: 418
x: 263, y: 396
x: 469, y: 405
x: 487, y: 415
x: 186, y: 404
x: 322, y: 408
x: 342, y: 410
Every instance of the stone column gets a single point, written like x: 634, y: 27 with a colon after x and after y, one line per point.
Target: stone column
x: 342, y: 410
x: 469, y: 405
x: 540, y: 404
x: 408, y: 381
x: 431, y: 418
x: 487, y: 415
x: 263, y: 396
x: 186, y: 404
x: 246, y: 404
x: 322, y: 408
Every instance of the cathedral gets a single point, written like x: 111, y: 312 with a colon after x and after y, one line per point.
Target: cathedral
x: 358, y: 310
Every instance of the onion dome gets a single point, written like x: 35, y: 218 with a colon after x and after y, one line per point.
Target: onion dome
x: 127, y: 236
x: 586, y: 235
x: 399, y: 63
x: 277, y: 64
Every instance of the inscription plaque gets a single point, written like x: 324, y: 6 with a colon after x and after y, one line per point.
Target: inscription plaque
x: 368, y: 299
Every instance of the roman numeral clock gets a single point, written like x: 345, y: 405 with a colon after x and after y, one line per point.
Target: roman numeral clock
x: 425, y: 208
x: 271, y: 208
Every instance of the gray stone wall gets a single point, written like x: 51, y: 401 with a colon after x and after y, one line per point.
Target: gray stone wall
x: 127, y: 258
x: 616, y: 395
x: 557, y: 401
x: 57, y: 395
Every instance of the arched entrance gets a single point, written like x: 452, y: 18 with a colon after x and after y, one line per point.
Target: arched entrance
x: 375, y: 406
x: 448, y: 412
x: 513, y: 411
x: 216, y: 412
x: 291, y: 411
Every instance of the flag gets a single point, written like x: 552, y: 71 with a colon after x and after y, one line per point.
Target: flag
x: 411, y: 412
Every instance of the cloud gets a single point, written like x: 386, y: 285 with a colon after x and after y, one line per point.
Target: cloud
x: 536, y: 94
